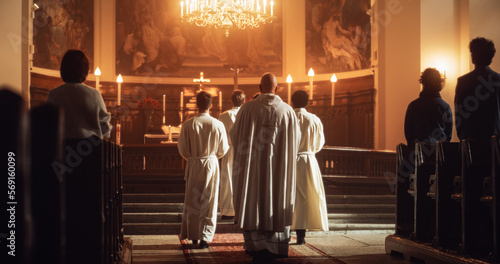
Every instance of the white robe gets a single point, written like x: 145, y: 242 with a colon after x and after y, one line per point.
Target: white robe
x: 310, y: 202
x: 265, y: 138
x: 202, y: 141
x: 226, y: 188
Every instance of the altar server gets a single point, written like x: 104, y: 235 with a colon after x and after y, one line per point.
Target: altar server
x: 226, y: 188
x: 202, y: 141
x: 310, y: 202
x: 265, y: 138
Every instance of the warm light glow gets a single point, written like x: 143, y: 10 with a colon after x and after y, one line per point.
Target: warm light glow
x: 441, y: 67
x: 311, y: 72
x: 119, y: 79
x: 227, y: 14
x: 334, y: 78
x: 97, y: 72
x: 289, y: 79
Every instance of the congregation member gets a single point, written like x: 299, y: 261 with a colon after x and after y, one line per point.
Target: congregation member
x: 428, y: 118
x: 226, y: 188
x: 310, y: 201
x: 84, y: 110
x: 265, y: 138
x: 202, y: 142
x: 477, y: 95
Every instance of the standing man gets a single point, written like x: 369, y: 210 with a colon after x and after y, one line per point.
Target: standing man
x: 477, y: 96
x: 226, y: 188
x: 265, y: 138
x: 202, y: 141
x: 310, y: 202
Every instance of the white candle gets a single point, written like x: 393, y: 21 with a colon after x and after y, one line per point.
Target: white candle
x: 272, y: 7
x: 289, y: 80
x: 265, y: 3
x: 333, y: 80
x: 311, y: 77
x: 164, y: 109
x: 220, y: 101
x: 182, y: 8
x: 97, y: 74
x: 169, y: 133
x: 118, y: 132
x: 119, y: 80
x: 182, y: 100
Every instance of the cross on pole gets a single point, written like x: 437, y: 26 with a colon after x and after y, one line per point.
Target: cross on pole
x: 235, y: 69
x: 201, y: 80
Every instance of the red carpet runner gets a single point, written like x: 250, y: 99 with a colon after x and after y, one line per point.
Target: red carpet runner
x: 228, y: 249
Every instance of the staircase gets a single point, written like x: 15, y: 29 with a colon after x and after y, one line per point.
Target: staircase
x: 155, y: 207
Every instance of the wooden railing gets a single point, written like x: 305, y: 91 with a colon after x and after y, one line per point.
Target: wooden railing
x: 357, y: 162
x: 152, y: 159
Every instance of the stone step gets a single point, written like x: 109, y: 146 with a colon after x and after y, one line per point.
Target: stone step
x: 153, y: 188
x: 153, y: 198
x: 330, y: 199
x: 225, y: 227
x: 361, y: 208
x: 360, y: 199
x: 332, y: 218
x: 153, y: 207
x: 152, y: 217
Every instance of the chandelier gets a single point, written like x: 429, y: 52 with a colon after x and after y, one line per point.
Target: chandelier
x: 228, y: 14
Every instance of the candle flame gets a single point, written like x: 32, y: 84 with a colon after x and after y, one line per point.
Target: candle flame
x: 289, y: 79
x: 97, y: 72
x: 334, y: 78
x: 119, y: 79
x: 311, y: 72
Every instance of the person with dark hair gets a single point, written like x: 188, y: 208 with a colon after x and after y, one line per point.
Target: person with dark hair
x: 477, y: 95
x: 226, y: 188
x: 85, y: 113
x: 310, y: 201
x: 265, y: 138
x: 428, y: 118
x: 202, y: 142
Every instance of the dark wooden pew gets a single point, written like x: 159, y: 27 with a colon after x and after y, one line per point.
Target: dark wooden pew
x: 425, y: 206
x: 477, y: 222
x: 15, y: 236
x: 47, y: 185
x: 93, y: 200
x: 495, y: 143
x: 448, y: 210
x: 404, y: 201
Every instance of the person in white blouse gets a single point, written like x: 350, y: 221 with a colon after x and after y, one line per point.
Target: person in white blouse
x: 202, y: 142
x: 226, y: 188
x: 310, y: 202
x: 85, y: 113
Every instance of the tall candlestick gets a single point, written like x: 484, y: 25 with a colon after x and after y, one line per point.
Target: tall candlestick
x: 289, y: 80
x: 97, y: 74
x: 164, y: 109
x: 169, y: 133
x: 311, y: 77
x: 182, y: 106
x: 333, y: 80
x: 119, y: 80
x: 220, y: 101
x: 118, y: 132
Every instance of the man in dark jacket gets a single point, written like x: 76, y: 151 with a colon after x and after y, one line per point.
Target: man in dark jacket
x: 477, y: 96
x: 428, y: 118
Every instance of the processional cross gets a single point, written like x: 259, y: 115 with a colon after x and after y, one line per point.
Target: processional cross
x: 201, y: 80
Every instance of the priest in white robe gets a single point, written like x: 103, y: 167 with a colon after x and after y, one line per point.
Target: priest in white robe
x: 265, y: 139
x: 226, y: 182
x: 202, y: 142
x: 310, y: 202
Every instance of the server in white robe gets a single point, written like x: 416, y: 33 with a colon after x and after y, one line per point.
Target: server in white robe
x: 265, y: 139
x: 310, y: 202
x: 202, y: 142
x: 226, y: 182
